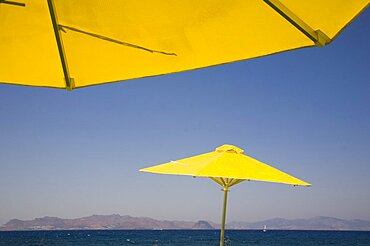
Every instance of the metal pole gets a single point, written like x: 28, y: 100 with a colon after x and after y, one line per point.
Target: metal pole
x: 222, y: 238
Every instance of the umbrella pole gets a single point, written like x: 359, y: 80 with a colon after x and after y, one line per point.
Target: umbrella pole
x: 222, y: 237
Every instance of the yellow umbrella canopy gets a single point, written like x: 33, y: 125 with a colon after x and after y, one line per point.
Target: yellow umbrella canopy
x: 226, y: 162
x: 228, y: 166
x: 71, y: 44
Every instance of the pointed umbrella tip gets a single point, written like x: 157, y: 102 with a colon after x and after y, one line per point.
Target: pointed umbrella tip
x: 229, y: 148
x: 302, y: 184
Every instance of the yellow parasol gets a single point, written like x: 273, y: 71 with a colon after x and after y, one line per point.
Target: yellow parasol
x: 71, y: 44
x: 227, y: 166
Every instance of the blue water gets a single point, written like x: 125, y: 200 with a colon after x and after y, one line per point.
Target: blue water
x: 182, y: 238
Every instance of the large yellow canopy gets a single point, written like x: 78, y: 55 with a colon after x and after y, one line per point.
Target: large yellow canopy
x: 71, y: 44
x: 225, y: 163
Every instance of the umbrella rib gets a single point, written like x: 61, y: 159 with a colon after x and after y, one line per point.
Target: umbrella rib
x: 223, y: 182
x: 13, y: 3
x: 216, y: 180
x: 69, y: 81
x: 235, y: 181
x: 317, y: 36
x: 115, y: 40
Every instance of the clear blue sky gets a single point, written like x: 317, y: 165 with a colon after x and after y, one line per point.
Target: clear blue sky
x: 306, y: 112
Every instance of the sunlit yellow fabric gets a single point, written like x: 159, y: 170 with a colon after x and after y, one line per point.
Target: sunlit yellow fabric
x: 114, y: 40
x: 226, y: 162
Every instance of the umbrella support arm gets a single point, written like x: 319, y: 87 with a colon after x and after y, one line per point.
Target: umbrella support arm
x: 317, y: 36
x: 222, y: 237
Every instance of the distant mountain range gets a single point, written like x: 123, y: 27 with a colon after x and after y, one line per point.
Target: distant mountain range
x: 316, y: 223
x: 114, y: 221
x: 118, y: 222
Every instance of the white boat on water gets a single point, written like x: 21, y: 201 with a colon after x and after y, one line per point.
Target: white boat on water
x: 264, y: 228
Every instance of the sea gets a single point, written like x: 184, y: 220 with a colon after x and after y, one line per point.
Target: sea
x: 182, y: 238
